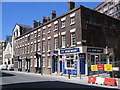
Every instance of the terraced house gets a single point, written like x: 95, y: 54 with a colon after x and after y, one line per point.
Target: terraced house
x: 70, y: 42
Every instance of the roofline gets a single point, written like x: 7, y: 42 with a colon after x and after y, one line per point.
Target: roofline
x: 74, y: 9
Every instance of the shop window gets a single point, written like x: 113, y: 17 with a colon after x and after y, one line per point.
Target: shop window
x: 70, y: 63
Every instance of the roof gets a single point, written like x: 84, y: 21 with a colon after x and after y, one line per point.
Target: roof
x: 25, y: 26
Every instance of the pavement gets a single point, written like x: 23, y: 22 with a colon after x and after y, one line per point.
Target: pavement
x: 76, y: 80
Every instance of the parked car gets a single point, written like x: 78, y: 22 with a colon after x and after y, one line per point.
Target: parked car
x: 10, y: 67
x: 3, y: 67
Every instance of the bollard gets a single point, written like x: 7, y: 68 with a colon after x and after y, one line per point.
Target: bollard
x: 69, y: 74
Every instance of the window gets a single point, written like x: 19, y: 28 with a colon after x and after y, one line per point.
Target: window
x: 38, y: 33
x: 111, y: 3
x: 48, y: 62
x: 69, y: 63
x: 43, y: 44
x: 56, y: 27
x: 28, y: 38
x: 105, y: 7
x: 111, y: 11
x: 63, y: 41
x: 35, y: 35
x: 72, y: 20
x: 35, y: 46
x: 28, y: 48
x: 100, y: 10
x: 106, y: 12
x: 48, y: 44
x: 43, y: 62
x: 72, y: 39
x: 56, y: 43
x: 117, y: 8
x: 31, y: 36
x: 63, y: 24
x: 49, y: 29
x: 38, y: 46
x: 25, y: 49
x: 43, y: 33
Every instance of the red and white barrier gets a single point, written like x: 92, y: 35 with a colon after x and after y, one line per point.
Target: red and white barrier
x: 99, y: 80
x: 102, y: 81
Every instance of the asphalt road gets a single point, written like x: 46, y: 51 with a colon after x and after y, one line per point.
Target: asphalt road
x: 13, y: 80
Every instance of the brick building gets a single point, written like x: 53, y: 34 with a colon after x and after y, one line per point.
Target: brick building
x: 68, y: 43
x: 110, y: 8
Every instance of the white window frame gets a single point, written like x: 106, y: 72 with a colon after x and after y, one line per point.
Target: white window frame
x: 72, y: 20
x: 49, y: 45
x: 73, y: 39
x: 56, y: 43
x: 56, y: 27
x: 43, y: 46
x: 63, y: 41
x: 63, y: 24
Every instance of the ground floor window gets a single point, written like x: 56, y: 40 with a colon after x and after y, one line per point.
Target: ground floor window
x: 70, y: 63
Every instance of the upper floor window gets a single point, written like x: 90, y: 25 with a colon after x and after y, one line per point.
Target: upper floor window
x: 72, y: 20
x: 38, y: 33
x: 43, y: 32
x: 28, y: 38
x: 63, y: 41
x: 72, y: 39
x: 105, y: 7
x: 56, y: 42
x: 38, y: 46
x: 35, y: 35
x: 43, y: 45
x: 55, y: 27
x: 111, y: 11
x: 100, y: 10
x: 49, y: 29
x: 111, y: 3
x: 48, y: 44
x: 63, y: 24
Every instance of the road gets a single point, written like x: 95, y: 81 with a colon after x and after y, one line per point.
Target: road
x: 15, y: 80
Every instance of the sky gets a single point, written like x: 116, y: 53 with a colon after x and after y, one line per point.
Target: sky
x: 25, y: 12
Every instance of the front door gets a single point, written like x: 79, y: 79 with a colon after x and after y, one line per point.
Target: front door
x: 54, y: 64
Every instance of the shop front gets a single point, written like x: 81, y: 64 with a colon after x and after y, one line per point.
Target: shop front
x: 73, y: 61
x: 78, y: 61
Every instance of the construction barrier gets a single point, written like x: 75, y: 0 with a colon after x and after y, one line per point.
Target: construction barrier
x: 110, y: 82
x: 99, y: 80
x: 91, y: 79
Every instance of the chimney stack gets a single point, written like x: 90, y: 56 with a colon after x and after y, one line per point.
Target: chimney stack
x: 44, y: 20
x: 53, y: 14
x: 35, y: 23
x: 71, y: 5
